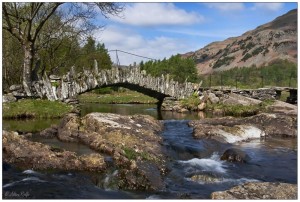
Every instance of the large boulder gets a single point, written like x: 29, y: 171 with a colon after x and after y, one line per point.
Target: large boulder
x: 68, y: 128
x: 226, y: 134
x: 213, y: 98
x: 26, y: 154
x: 235, y: 99
x: 132, y: 142
x: 259, y: 190
x: 283, y: 108
x: 230, y: 129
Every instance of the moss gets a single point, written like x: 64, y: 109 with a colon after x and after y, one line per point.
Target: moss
x: 133, y: 155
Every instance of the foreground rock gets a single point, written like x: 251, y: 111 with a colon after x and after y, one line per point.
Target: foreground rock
x: 134, y: 145
x: 259, y: 190
x: 231, y: 130
x: 32, y: 155
x: 132, y: 142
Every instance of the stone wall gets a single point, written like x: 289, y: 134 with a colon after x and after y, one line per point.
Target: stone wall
x: 259, y: 94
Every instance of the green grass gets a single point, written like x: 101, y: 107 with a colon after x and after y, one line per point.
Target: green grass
x: 116, y: 97
x: 241, y: 110
x: 30, y: 108
x: 191, y: 103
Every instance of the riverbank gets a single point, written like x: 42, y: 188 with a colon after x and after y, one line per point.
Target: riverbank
x: 35, y: 108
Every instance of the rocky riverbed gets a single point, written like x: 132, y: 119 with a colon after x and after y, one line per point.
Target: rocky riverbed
x: 135, y: 156
x: 130, y: 143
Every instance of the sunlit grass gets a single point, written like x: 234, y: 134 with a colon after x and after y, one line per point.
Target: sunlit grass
x: 30, y: 108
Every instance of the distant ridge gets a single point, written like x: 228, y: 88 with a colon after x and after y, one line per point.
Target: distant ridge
x: 276, y: 40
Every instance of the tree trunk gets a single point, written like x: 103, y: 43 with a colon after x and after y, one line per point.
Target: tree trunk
x: 27, y: 67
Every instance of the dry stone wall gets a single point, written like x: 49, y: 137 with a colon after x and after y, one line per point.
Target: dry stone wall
x: 71, y: 84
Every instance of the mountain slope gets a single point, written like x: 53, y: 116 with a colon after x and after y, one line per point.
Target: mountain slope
x: 264, y: 45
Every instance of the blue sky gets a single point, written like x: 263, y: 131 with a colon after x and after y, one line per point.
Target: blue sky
x: 159, y: 30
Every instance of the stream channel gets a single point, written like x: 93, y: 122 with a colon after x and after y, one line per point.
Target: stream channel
x: 272, y: 160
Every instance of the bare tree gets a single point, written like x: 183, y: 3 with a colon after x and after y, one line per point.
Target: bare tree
x: 31, y: 25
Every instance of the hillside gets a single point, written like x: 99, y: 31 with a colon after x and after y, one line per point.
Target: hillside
x: 262, y: 46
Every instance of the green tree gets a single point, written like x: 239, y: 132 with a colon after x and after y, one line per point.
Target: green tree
x: 91, y: 52
x: 180, y: 69
x: 26, y: 22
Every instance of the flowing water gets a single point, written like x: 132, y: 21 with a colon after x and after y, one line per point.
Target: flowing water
x: 195, y: 166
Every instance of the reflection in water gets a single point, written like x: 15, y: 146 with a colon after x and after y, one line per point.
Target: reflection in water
x: 28, y: 125
x: 36, y: 125
x: 80, y: 149
x: 131, y: 109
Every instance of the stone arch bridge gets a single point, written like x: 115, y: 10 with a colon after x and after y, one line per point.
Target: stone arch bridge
x: 72, y: 84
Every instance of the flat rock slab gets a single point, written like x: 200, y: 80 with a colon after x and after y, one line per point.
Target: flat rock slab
x: 26, y: 154
x: 283, y: 108
x: 132, y: 142
x: 258, y: 190
x: 235, y: 99
x: 230, y: 129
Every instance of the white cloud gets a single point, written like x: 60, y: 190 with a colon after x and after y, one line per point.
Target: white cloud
x: 157, y: 48
x: 151, y: 14
x: 220, y: 33
x: 226, y: 6
x: 268, y: 6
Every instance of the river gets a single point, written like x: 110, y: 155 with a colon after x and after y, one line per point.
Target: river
x: 195, y: 168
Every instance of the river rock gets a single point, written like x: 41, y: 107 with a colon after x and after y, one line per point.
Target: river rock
x: 213, y: 98
x: 227, y: 134
x: 68, y: 128
x: 49, y: 132
x: 19, y: 151
x: 201, y: 106
x: 283, y: 108
x: 9, y: 98
x: 132, y: 142
x: 259, y: 190
x: 232, y: 129
x: 206, y: 178
x: 235, y: 99
x: 235, y: 155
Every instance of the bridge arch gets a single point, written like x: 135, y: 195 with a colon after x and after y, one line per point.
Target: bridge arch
x: 72, y: 84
